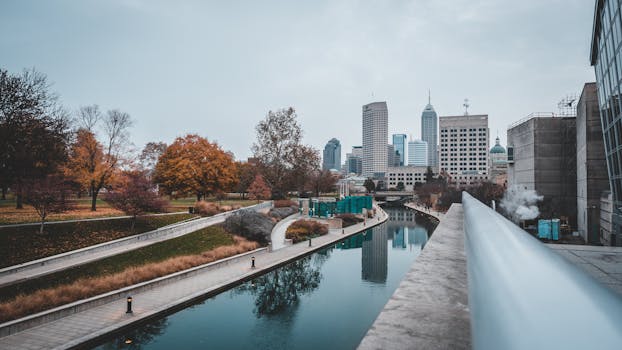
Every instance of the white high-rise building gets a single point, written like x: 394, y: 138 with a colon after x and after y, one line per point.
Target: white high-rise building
x: 417, y: 153
x: 464, y: 148
x: 375, y: 137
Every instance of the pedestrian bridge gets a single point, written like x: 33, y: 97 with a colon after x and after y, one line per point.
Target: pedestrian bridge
x: 484, y: 283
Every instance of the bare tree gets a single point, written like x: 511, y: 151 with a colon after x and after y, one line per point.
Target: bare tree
x: 88, y: 117
x: 47, y: 195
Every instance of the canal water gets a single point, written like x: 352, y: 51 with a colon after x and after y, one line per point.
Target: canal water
x: 327, y: 300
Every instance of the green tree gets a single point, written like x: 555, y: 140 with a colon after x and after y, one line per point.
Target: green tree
x: 429, y: 175
x: 400, y: 186
x: 369, y: 185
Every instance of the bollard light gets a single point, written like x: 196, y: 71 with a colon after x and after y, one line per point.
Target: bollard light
x: 128, y: 341
x: 129, y: 305
x: 252, y: 262
x: 343, y: 231
x: 309, y: 241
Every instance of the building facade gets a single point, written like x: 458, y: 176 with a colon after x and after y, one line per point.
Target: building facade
x: 429, y: 134
x: 332, y: 155
x: 606, y: 57
x: 399, y: 144
x: 498, y: 164
x: 464, y: 147
x: 409, y: 176
x: 418, y: 153
x: 375, y: 136
x: 543, y: 149
x: 592, y: 177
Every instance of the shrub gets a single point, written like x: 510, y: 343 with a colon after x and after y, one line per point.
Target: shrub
x: 204, y: 208
x: 282, y: 203
x: 250, y: 225
x: 302, y: 229
x: 349, y: 219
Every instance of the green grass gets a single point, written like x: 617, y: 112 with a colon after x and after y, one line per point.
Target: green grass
x: 190, y: 244
x: 22, y: 244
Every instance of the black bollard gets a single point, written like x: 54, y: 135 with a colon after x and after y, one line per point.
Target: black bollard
x: 343, y: 231
x: 129, y: 305
x: 252, y: 262
x: 309, y: 241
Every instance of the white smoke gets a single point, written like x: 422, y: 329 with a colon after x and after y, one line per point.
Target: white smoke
x: 520, y: 204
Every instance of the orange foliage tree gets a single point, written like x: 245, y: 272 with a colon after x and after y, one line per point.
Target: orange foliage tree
x: 192, y: 164
x: 259, y: 189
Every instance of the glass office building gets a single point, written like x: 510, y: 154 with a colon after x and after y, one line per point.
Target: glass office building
x: 606, y: 57
x: 399, y: 144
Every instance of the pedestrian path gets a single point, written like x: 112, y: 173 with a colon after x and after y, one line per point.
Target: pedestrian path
x: 426, y: 211
x: 41, y: 267
x: 83, y: 326
x: 277, y: 237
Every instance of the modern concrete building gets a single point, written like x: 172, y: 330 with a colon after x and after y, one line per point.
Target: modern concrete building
x: 418, y: 153
x: 605, y: 219
x: 606, y: 58
x: 592, y: 177
x: 375, y: 137
x: 393, y: 158
x: 332, y: 155
x: 498, y: 164
x: 399, y: 144
x: 408, y: 175
x: 429, y: 134
x: 542, y: 157
x: 354, y: 161
x: 464, y: 148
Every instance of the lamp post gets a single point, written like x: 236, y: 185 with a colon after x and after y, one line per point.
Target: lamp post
x: 129, y: 305
x: 252, y: 262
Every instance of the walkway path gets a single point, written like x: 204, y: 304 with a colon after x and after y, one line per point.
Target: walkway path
x: 41, y: 267
x: 430, y: 212
x: 278, y: 232
x: 78, y: 328
x: 82, y: 220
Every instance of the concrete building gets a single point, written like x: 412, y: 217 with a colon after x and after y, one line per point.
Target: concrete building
x: 592, y: 177
x: 429, y: 134
x: 607, y: 62
x: 606, y: 209
x: 354, y: 161
x: 399, y: 144
x: 498, y: 164
x: 542, y: 157
x: 418, y: 153
x: 408, y: 175
x: 375, y: 137
x: 393, y: 158
x: 332, y: 155
x: 464, y: 148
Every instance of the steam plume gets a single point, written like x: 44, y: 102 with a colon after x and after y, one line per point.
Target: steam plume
x: 520, y: 204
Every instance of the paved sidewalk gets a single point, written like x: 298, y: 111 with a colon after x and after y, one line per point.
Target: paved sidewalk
x: 83, y: 220
x: 277, y: 237
x: 78, y: 328
x: 431, y: 212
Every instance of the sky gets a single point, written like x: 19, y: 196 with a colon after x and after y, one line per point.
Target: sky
x: 216, y: 68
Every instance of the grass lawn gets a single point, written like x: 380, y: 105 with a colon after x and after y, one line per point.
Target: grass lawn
x: 197, y: 248
x: 21, y: 244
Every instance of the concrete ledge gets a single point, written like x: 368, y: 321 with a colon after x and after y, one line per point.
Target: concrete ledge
x: 429, y: 309
x: 167, y: 232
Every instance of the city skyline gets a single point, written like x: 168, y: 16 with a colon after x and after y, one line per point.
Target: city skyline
x: 179, y: 69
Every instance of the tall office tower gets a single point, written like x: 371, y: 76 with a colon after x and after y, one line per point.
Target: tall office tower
x: 399, y: 144
x: 375, y: 136
x: 418, y: 153
x: 464, y: 148
x: 393, y: 158
x: 332, y: 155
x: 354, y: 161
x: 607, y: 61
x: 429, y: 133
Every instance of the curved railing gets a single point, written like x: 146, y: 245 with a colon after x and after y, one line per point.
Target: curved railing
x: 524, y: 296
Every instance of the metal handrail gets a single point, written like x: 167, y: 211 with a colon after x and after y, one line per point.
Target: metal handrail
x: 524, y: 296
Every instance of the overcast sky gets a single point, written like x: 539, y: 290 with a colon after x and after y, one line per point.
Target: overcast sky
x: 216, y: 68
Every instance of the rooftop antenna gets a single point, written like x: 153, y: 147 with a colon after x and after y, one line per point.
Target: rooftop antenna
x: 429, y: 97
x: 466, y: 106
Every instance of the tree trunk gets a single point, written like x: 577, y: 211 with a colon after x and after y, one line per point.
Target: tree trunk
x: 19, y: 200
x: 3, y: 193
x: 93, y: 197
x: 133, y: 224
x: 42, y: 223
x: 198, y: 197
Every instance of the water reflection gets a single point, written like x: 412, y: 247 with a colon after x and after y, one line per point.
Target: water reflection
x: 374, y: 255
x: 135, y: 339
x: 280, y: 290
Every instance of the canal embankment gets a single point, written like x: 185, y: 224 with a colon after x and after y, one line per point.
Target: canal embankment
x: 89, y: 320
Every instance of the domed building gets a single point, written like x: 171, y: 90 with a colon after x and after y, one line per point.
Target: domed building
x: 498, y: 164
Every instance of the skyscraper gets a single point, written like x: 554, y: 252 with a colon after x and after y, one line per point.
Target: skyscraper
x: 418, y: 153
x: 607, y: 63
x: 375, y: 137
x: 429, y: 133
x: 399, y: 144
x: 332, y: 155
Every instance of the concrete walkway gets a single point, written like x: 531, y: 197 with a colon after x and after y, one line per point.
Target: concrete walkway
x: 83, y: 220
x: 423, y: 210
x: 429, y: 309
x: 277, y: 236
x: 41, y: 267
x: 98, y: 321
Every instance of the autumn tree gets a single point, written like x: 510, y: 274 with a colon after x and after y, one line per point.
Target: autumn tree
x: 95, y: 163
x: 192, y: 164
x: 34, y: 130
x: 369, y: 185
x: 246, y: 173
x: 429, y: 175
x: 135, y: 196
x: 283, y: 161
x: 321, y: 181
x: 47, y: 195
x: 259, y: 189
x: 149, y: 157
